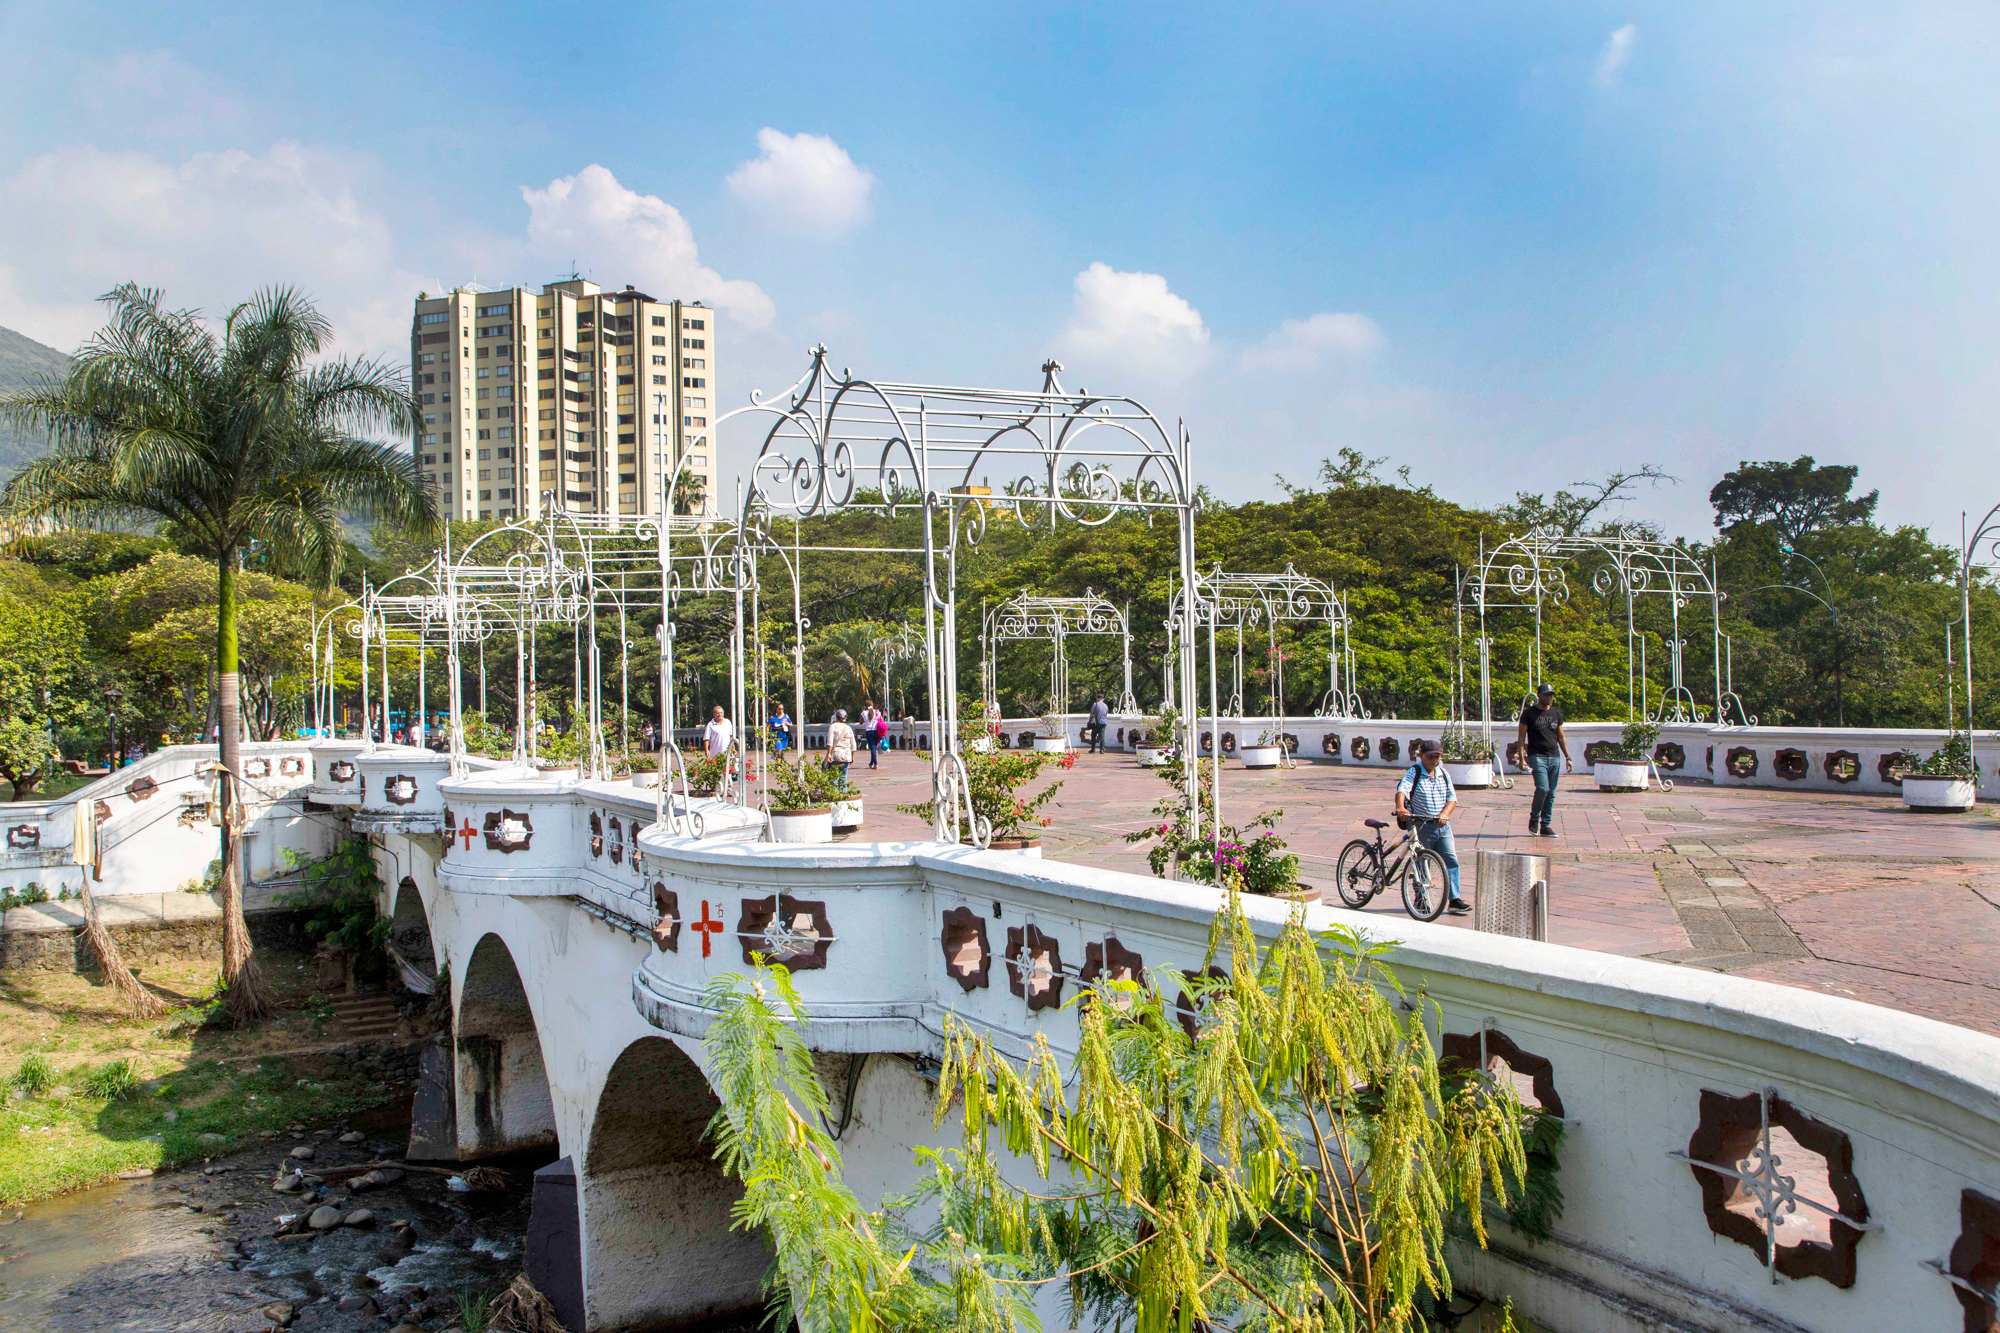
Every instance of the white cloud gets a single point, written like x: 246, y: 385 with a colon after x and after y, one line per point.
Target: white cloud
x: 209, y: 230
x: 622, y: 236
x: 1302, y: 344
x: 804, y: 183
x: 1133, y: 323
x: 1616, y: 54
x: 163, y: 94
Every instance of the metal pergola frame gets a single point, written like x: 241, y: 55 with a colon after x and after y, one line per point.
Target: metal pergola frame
x: 835, y: 443
x: 1532, y: 570
x: 1029, y: 617
x: 1239, y: 602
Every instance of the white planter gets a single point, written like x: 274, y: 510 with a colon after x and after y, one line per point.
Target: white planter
x: 559, y: 773
x: 847, y: 814
x: 1260, y: 756
x: 979, y: 744
x: 814, y: 825
x: 1471, y: 776
x: 1151, y: 756
x: 1051, y: 744
x: 645, y: 779
x: 1620, y: 775
x: 1938, y: 795
x: 1024, y: 846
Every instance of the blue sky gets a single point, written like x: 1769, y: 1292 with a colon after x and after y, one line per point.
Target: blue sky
x: 1508, y: 247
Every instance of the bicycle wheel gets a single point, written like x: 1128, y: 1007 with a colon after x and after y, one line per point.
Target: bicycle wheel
x: 1358, y: 873
x: 1424, y: 885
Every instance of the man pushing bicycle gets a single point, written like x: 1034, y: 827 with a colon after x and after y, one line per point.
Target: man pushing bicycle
x: 1426, y: 796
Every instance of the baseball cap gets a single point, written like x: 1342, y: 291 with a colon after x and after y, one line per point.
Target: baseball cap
x: 1545, y: 688
x: 1430, y: 747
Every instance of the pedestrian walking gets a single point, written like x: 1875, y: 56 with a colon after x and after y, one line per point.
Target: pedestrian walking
x: 1426, y: 796
x: 1547, y: 746
x: 781, y: 731
x: 1100, y: 718
x: 868, y: 716
x: 716, y: 736
x: 840, y: 742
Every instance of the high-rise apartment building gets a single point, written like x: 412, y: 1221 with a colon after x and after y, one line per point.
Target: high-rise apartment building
x: 571, y: 399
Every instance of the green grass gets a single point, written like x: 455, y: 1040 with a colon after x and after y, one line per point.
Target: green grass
x: 49, y: 789
x: 54, y: 1143
x: 102, y: 1083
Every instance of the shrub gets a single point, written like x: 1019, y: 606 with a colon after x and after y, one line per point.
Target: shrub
x: 1635, y: 745
x: 1953, y: 759
x: 1464, y: 746
x: 807, y: 785
x: 995, y: 778
x: 112, y: 1082
x: 34, y: 1075
x: 339, y: 902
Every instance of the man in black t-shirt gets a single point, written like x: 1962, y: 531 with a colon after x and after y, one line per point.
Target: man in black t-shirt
x: 1543, y: 739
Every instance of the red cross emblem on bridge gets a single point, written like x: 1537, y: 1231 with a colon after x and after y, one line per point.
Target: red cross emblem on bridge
x: 468, y: 833
x: 707, y: 928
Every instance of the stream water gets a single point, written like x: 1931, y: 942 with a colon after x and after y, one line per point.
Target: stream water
x: 201, y: 1251
x: 45, y: 1247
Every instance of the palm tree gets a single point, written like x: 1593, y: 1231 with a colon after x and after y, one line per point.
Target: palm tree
x: 250, y: 435
x: 854, y: 647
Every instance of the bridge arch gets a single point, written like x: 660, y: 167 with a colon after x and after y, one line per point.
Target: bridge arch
x: 411, y: 945
x: 504, y: 1103
x: 657, y: 1245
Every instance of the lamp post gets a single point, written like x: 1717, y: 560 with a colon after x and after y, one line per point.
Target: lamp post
x: 112, y: 695
x: 1839, y: 655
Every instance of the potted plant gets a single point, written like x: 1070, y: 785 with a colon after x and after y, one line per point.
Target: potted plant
x: 1153, y: 738
x: 1945, y: 783
x: 1624, y: 767
x: 1268, y: 752
x: 1054, y: 737
x: 995, y: 778
x: 802, y: 796
x: 1468, y: 758
x: 845, y: 798
x: 706, y: 775
x: 645, y: 769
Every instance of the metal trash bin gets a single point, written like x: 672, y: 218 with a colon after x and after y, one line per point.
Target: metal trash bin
x: 1511, y: 895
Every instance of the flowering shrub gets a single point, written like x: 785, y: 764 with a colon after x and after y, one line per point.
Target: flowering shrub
x: 1260, y: 861
x: 995, y: 778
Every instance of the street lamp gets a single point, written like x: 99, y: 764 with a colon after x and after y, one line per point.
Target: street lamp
x: 1839, y: 655
x: 112, y: 695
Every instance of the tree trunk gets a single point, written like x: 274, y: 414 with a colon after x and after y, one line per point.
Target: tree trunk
x: 111, y: 963
x: 246, y: 997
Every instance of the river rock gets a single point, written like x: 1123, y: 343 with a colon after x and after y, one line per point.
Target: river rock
x: 215, y: 1138
x: 280, y: 1313
x: 171, y: 1116
x: 352, y: 1136
x: 286, y: 1184
x: 324, y: 1218
x: 361, y: 1217
x: 304, y: 1152
x: 378, y: 1178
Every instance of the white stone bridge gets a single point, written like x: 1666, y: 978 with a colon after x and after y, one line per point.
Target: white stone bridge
x: 577, y: 936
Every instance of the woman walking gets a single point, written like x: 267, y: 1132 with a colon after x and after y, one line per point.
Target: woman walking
x: 840, y: 742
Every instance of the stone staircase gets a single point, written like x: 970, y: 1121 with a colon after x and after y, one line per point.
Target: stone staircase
x: 363, y: 1017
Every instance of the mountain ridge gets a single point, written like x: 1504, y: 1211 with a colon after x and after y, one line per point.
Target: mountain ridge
x: 22, y: 360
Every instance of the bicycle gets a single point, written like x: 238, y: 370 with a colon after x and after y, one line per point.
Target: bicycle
x: 1365, y: 869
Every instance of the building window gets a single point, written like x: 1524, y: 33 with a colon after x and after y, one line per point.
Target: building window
x: 625, y: 379
x: 694, y: 421
x: 693, y: 382
x: 628, y: 438
x: 506, y: 433
x: 486, y: 495
x: 698, y: 344
x: 494, y: 311
x: 692, y: 324
x: 659, y: 379
x: 485, y: 434
x: 659, y: 360
x: 697, y: 460
x: 434, y: 317
x: 659, y: 321
x: 430, y: 358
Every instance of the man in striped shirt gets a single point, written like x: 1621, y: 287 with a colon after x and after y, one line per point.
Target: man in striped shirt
x: 1426, y: 795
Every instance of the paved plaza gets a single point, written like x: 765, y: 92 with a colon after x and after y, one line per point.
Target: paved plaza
x: 1849, y: 895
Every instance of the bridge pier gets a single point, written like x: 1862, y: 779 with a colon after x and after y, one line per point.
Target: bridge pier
x: 657, y: 1246
x: 503, y: 1099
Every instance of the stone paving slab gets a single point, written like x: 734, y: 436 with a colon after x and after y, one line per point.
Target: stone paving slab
x: 1846, y: 894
